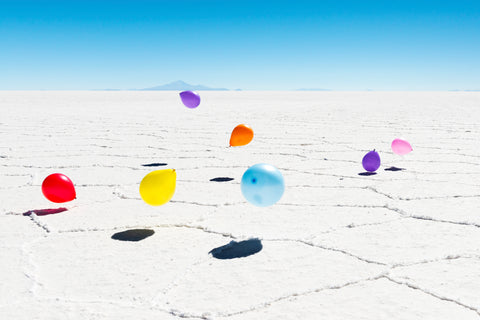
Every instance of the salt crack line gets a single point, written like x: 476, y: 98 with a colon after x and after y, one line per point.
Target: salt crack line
x: 39, y: 223
x: 281, y: 154
x: 214, y: 205
x: 416, y: 198
x: 231, y: 236
x: 352, y: 225
x: 267, y: 304
x: 187, y: 226
x: 104, y: 185
x: 444, y: 173
x: 461, y: 223
x: 415, y: 287
x: 39, y: 167
x: 17, y: 174
x: 449, y: 162
x: 123, y: 196
x: 30, y: 267
x: 11, y: 213
x: 102, y: 302
x: 185, y: 315
x: 25, y: 185
x: 379, y: 192
x: 329, y: 249
x: 364, y: 206
x: 449, y: 257
x: 161, y: 297
x: 385, y: 206
x: 196, y: 203
x: 440, y: 197
x: 206, y: 230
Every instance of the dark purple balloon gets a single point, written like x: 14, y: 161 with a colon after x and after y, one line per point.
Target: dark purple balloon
x: 371, y: 161
x: 190, y: 99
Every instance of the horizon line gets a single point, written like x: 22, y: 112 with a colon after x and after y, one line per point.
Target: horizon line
x: 240, y: 90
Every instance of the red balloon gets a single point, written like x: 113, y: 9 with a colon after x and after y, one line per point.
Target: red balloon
x: 58, y: 188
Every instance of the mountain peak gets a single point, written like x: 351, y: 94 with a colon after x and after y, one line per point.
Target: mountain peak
x: 180, y: 85
x: 179, y: 82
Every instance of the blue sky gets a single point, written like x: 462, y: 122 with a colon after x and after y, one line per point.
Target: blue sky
x: 252, y: 45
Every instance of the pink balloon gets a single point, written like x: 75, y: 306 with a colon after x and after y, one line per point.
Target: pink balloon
x: 401, y: 147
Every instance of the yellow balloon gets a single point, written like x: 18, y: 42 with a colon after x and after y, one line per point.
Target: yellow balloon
x: 158, y: 186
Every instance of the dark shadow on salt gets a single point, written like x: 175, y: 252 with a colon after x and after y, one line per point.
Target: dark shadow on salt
x: 235, y: 249
x: 133, y: 235
x: 156, y: 164
x: 221, y: 179
x: 394, y: 169
x: 44, y: 212
x: 367, y: 173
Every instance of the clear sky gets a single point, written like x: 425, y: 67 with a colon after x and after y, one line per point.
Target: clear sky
x: 252, y: 45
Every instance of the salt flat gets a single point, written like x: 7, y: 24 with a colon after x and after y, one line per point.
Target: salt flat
x: 338, y: 245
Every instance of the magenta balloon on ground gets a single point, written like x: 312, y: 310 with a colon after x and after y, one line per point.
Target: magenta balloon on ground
x: 190, y: 99
x: 401, y: 147
x: 371, y: 161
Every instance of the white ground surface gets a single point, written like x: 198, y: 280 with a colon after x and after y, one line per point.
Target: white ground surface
x: 338, y: 245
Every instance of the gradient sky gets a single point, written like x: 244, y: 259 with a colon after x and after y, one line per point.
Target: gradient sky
x: 252, y: 45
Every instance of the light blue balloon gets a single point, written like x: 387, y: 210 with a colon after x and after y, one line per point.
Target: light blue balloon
x: 262, y: 185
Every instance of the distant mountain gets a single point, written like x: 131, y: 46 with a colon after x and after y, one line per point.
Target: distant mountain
x: 313, y: 89
x: 182, y: 86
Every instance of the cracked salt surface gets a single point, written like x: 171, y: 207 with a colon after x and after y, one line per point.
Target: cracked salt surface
x: 398, y: 245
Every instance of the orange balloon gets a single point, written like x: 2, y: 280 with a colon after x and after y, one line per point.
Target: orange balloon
x: 241, y: 135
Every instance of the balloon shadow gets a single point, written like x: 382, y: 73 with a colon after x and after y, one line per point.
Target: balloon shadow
x: 235, y: 249
x: 394, y: 169
x: 44, y: 212
x: 367, y: 173
x: 221, y: 179
x: 155, y: 164
x: 133, y: 235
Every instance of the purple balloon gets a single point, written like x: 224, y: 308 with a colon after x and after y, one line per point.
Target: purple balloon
x: 371, y: 161
x: 190, y: 99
